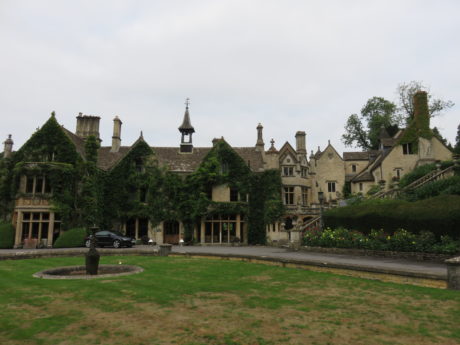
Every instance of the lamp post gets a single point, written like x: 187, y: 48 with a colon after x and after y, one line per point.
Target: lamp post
x: 321, y: 200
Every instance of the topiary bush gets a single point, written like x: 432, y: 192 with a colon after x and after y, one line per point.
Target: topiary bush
x: 6, y: 235
x: 71, y: 238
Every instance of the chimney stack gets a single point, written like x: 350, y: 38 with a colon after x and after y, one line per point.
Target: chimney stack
x: 421, y: 112
x: 260, y: 145
x: 8, y: 148
x: 88, y: 125
x: 116, y: 138
x: 300, y: 143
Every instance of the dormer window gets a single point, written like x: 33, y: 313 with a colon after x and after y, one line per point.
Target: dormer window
x: 288, y: 171
x: 304, y: 172
x: 224, y: 168
x: 139, y: 163
x: 353, y: 168
x: 408, y: 149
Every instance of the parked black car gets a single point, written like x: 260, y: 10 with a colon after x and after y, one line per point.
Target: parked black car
x: 111, y: 238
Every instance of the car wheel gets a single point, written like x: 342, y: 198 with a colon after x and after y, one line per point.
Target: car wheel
x: 116, y: 244
x: 88, y: 243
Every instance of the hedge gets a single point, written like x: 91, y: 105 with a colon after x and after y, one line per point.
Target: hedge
x: 71, y: 238
x: 449, y: 185
x: 421, y: 171
x: 6, y: 235
x: 439, y: 215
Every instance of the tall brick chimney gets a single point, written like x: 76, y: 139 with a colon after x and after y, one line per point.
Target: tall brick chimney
x: 421, y: 112
x: 88, y: 125
x: 116, y: 138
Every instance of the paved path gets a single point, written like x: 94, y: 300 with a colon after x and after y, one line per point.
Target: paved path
x: 363, y: 262
x: 386, y: 265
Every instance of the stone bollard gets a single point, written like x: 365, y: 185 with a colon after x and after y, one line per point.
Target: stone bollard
x: 165, y: 249
x: 453, y: 273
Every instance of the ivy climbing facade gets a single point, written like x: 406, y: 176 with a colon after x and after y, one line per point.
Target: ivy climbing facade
x: 59, y: 180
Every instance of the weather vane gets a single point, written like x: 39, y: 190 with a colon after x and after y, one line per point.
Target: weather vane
x: 187, y: 102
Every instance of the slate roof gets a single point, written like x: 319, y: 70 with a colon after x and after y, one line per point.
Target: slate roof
x: 356, y: 156
x: 364, y: 177
x: 386, y: 142
x: 107, y: 159
x: 186, y: 125
x: 171, y: 158
x: 77, y: 141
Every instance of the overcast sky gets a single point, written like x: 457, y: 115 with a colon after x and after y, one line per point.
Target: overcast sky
x: 290, y: 65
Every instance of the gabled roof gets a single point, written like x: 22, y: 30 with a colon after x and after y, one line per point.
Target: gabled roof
x: 319, y: 154
x: 285, y: 149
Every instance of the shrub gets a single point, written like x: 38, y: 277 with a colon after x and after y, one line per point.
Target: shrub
x: 420, y: 172
x: 446, y: 186
x: 415, y: 174
x: 71, y: 238
x: 6, y: 235
x: 402, y: 241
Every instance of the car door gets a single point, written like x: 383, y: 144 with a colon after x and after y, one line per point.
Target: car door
x: 103, y: 238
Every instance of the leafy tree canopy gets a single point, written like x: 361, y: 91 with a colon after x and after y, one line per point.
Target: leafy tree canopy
x: 457, y: 141
x: 364, y: 130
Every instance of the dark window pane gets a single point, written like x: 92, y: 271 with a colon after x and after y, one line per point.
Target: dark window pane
x: 47, y: 185
x: 39, y: 185
x: 30, y: 185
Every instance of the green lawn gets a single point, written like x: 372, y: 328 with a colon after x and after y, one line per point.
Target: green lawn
x: 200, y: 301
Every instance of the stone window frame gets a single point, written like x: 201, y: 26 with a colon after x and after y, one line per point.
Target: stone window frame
x: 304, y: 196
x: 288, y: 170
x: 331, y: 186
x: 33, y: 187
x: 407, y: 149
x: 288, y: 195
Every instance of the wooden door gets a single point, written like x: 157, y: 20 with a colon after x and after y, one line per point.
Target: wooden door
x: 171, y: 232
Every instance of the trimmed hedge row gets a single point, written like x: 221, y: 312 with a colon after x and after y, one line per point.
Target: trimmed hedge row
x: 439, y: 215
x: 71, y: 238
x: 6, y: 235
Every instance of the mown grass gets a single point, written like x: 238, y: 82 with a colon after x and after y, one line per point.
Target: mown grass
x: 199, y: 301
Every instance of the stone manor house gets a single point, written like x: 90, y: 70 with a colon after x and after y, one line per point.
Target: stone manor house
x: 303, y: 177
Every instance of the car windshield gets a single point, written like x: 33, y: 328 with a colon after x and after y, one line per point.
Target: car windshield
x: 118, y: 233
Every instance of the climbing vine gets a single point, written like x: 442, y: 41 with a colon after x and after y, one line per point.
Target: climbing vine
x: 50, y: 153
x: 137, y: 187
x: 419, y: 125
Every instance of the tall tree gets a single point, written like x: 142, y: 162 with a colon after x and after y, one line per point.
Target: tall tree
x: 364, y: 130
x: 406, y: 93
x: 457, y: 141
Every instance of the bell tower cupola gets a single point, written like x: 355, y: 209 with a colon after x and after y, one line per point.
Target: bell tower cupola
x: 186, y: 129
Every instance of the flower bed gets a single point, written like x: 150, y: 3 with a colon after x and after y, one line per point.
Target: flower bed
x: 377, y: 240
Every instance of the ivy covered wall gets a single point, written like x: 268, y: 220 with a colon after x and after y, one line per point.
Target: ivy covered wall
x: 137, y: 187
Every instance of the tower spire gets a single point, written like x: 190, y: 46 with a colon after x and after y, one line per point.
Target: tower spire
x: 186, y: 130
